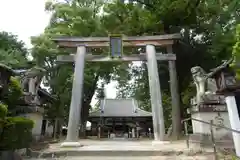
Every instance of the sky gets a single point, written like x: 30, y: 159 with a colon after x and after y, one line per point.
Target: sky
x: 27, y: 18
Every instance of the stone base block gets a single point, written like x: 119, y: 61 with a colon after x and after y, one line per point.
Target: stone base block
x: 70, y: 144
x: 205, y: 140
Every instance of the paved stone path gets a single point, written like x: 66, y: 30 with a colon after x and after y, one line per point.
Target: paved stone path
x: 93, y: 145
x: 125, y: 150
x: 132, y: 158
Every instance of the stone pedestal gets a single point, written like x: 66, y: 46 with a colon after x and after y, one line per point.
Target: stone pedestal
x: 207, y: 111
x: 112, y: 135
x: 133, y: 132
x: 219, y: 118
x: 70, y: 144
x: 125, y: 135
x: 99, y: 132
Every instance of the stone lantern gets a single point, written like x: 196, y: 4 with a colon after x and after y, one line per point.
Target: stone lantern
x: 5, y: 74
x: 225, y: 79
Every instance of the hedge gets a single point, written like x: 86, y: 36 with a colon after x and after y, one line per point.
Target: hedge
x: 16, y: 133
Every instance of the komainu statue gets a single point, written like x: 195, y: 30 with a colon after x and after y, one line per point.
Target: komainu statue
x: 205, y: 85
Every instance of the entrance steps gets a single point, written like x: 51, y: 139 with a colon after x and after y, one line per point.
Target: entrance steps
x: 125, y: 149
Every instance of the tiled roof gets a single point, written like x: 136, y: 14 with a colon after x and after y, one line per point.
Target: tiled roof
x: 119, y: 108
x: 42, y: 92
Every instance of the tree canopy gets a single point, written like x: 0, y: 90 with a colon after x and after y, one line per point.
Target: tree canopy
x: 13, y: 52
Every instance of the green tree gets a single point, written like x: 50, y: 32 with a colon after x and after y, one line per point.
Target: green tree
x: 72, y: 18
x: 12, y: 51
x: 14, y: 55
x: 236, y: 52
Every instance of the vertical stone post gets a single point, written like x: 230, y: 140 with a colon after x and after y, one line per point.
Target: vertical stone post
x: 76, y: 100
x: 137, y: 130
x: 129, y: 132
x: 176, y: 117
x: 234, y: 121
x: 133, y: 132
x: 99, y: 132
x: 150, y: 133
x: 155, y: 92
x: 31, y: 86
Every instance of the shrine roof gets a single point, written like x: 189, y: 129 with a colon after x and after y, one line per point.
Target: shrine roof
x: 42, y: 93
x: 119, y: 108
x: 45, y: 94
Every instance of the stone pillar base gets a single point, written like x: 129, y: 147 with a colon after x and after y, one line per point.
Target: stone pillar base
x: 204, y: 140
x: 70, y: 144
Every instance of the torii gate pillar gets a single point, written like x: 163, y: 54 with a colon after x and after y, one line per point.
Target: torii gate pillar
x: 155, y: 94
x: 76, y: 100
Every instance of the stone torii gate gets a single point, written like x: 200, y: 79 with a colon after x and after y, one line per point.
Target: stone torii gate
x: 150, y: 56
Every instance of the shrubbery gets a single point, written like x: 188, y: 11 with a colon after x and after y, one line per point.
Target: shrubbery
x: 11, y: 98
x: 15, y: 132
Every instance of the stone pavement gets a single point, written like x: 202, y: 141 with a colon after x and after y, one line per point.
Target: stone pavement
x: 127, y: 150
x: 90, y: 145
x: 132, y: 158
x: 146, y: 145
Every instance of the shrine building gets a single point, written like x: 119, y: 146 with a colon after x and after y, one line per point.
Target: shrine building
x: 120, y: 118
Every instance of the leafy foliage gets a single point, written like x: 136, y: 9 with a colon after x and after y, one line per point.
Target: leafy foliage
x: 11, y: 98
x: 3, y: 111
x: 12, y: 52
x: 236, y: 52
x: 9, y: 139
